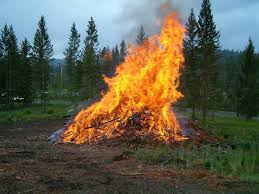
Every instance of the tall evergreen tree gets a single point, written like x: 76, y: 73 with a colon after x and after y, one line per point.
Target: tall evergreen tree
x: 106, y: 61
x: 91, y: 78
x: 123, y: 51
x: 191, y: 71
x: 71, y: 60
x: 141, y: 36
x: 248, y: 97
x: 26, y: 91
x: 41, y: 55
x: 10, y: 60
x: 208, y: 43
x: 115, y: 59
x: 2, y: 74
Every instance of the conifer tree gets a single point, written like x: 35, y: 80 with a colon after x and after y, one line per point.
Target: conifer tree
x: 10, y: 61
x: 123, y: 51
x: 91, y: 78
x: 142, y: 36
x: 115, y: 59
x: 26, y: 75
x: 208, y: 44
x: 248, y: 97
x: 191, y: 71
x: 41, y: 55
x: 2, y: 74
x: 107, y: 61
x: 71, y: 60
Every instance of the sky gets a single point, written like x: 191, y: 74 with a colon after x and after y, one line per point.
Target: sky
x: 237, y: 20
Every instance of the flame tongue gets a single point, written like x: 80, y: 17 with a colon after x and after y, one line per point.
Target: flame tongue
x: 140, y: 94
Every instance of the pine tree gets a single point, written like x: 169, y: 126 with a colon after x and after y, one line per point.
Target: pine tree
x: 91, y: 78
x: 191, y: 71
x: 123, y: 51
x: 248, y: 82
x: 10, y: 61
x: 208, y: 43
x: 2, y: 74
x: 71, y: 60
x: 106, y: 61
x: 41, y: 55
x: 142, y: 36
x: 26, y: 75
x: 115, y: 59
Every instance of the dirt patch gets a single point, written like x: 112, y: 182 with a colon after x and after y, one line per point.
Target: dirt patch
x: 28, y: 164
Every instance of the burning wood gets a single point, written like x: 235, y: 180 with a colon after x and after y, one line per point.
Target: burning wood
x: 138, y: 102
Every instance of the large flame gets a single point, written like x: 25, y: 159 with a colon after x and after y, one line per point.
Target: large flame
x: 147, y: 83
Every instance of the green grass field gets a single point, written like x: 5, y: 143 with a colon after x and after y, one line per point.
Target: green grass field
x: 240, y: 159
x: 55, y: 110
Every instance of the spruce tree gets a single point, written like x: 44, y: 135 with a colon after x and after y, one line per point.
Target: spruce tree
x: 2, y: 74
x: 123, y: 51
x: 10, y: 60
x: 107, y: 61
x: 141, y: 36
x: 91, y: 78
x: 115, y: 59
x: 41, y: 55
x: 208, y: 44
x: 191, y: 71
x: 248, y: 97
x: 26, y: 75
x: 71, y: 60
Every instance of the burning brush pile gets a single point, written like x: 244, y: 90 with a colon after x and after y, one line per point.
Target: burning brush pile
x: 138, y: 104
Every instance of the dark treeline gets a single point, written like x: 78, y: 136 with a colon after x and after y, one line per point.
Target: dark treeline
x: 29, y: 74
x: 213, y: 79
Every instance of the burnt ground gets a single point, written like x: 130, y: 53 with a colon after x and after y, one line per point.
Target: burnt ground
x: 28, y: 164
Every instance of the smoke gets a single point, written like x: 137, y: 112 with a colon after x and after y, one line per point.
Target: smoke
x: 150, y: 14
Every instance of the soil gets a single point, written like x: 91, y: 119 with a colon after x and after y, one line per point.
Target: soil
x: 28, y: 164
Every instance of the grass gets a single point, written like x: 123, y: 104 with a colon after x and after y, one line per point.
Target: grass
x: 240, y: 159
x: 34, y: 112
x: 236, y: 129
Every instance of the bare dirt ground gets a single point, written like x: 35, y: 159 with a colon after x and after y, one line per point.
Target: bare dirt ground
x: 28, y: 164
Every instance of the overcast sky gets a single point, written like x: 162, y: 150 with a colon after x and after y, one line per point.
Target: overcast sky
x: 118, y: 19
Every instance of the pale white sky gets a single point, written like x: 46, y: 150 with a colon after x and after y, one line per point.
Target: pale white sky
x: 118, y: 19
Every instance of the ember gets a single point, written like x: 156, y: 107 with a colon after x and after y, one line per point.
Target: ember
x: 138, y: 102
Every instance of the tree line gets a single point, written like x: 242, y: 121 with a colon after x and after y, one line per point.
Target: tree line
x: 25, y: 69
x: 211, y: 80
x: 202, y: 77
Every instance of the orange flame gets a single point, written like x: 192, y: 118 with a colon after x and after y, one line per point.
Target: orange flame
x: 146, y: 82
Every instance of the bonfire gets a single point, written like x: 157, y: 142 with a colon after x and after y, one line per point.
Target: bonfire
x: 139, y: 101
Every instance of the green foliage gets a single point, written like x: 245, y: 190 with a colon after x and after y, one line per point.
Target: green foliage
x: 10, y: 70
x: 248, y: 80
x: 34, y: 112
x: 208, y: 44
x: 42, y: 51
x: 239, y: 159
x: 142, y: 36
x: 71, y: 61
x: 91, y: 77
x: 25, y: 89
x: 190, y: 80
x: 123, y: 51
